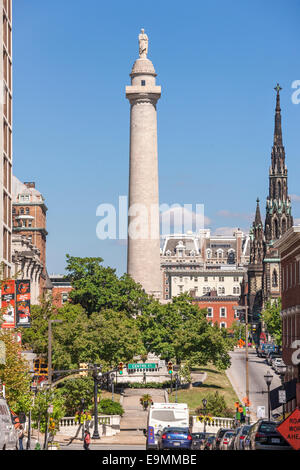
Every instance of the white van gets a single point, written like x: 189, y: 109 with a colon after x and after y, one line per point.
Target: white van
x: 8, y: 433
x: 163, y: 415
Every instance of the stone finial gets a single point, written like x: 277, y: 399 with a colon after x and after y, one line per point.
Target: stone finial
x: 143, y: 44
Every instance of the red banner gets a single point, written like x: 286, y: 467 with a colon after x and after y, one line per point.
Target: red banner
x: 8, y: 305
x: 23, y: 303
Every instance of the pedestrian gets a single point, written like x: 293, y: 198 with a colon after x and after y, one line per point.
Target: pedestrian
x: 87, y: 440
x: 21, y: 437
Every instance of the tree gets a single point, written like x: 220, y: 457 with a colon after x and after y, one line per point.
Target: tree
x: 96, y: 287
x: 15, y: 374
x: 180, y: 330
x: 73, y: 390
x: 216, y: 406
x: 272, y: 319
x: 40, y: 413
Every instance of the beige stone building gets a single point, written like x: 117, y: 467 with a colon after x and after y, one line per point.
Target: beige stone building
x: 29, y: 236
x: 6, y: 136
x: 202, y: 263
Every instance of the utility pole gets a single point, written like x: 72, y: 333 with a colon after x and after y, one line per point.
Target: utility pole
x: 50, y: 349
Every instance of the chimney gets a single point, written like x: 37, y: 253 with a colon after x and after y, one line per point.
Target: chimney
x: 30, y: 184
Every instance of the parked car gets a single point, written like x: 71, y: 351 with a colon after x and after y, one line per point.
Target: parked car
x: 278, y: 365
x: 271, y: 355
x: 227, y: 440
x: 219, y: 435
x: 265, y: 348
x: 8, y: 432
x: 263, y: 435
x: 240, y: 437
x: 208, y: 444
x: 175, y: 438
x: 198, y: 440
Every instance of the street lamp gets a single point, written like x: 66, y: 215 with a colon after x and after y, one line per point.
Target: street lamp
x: 176, y: 383
x: 50, y: 349
x: 112, y: 377
x: 97, y: 374
x: 268, y: 379
x: 204, y: 402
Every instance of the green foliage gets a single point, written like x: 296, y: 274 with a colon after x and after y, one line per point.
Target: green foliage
x: 15, y: 374
x: 40, y: 410
x: 272, y: 319
x: 97, y: 287
x: 73, y: 391
x: 149, y: 385
x: 216, y: 406
x: 109, y: 407
x: 238, y: 330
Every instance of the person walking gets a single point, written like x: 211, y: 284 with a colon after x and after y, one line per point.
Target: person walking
x: 87, y: 440
x: 21, y: 437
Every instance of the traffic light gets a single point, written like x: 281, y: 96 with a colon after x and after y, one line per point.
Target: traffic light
x: 170, y: 368
x: 120, y: 368
x: 83, y: 365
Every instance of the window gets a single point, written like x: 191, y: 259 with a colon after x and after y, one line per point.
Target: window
x: 210, y: 312
x: 64, y: 297
x: 221, y: 279
x: 143, y: 82
x: 223, y: 312
x: 235, y: 279
x: 223, y: 325
x: 27, y: 210
x: 206, y: 279
x: 274, y: 279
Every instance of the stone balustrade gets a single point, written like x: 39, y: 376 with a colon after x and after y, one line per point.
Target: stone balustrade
x: 212, y: 425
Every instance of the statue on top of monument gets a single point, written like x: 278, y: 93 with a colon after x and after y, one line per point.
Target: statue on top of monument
x: 143, y: 44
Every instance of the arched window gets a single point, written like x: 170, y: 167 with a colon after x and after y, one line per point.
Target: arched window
x: 27, y: 210
x: 275, y: 278
x: 279, y: 190
x: 283, y: 226
x: 231, y: 257
x: 22, y: 211
x: 275, y: 229
x: 208, y: 254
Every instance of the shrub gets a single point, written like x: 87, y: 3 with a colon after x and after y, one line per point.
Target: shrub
x: 109, y: 407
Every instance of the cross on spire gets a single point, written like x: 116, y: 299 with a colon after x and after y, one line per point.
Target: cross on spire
x: 278, y: 88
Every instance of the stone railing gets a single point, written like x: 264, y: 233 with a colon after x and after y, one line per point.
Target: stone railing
x: 212, y: 425
x: 109, y: 425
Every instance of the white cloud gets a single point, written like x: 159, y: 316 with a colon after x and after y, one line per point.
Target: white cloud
x: 295, y: 197
x: 227, y: 231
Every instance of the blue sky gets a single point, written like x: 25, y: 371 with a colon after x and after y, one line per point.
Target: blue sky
x: 217, y: 63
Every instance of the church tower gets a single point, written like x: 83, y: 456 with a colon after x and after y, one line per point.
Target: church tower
x: 255, y: 267
x: 278, y: 209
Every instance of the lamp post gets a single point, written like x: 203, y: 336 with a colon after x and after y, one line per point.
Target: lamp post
x: 112, y: 377
x: 82, y: 411
x: 97, y: 374
x: 204, y: 402
x: 50, y: 349
x: 268, y: 379
x: 176, y: 383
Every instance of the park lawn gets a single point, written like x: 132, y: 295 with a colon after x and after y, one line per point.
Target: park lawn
x: 104, y: 394
x: 215, y: 381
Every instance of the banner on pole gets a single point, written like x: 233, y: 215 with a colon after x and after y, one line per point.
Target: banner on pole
x: 23, y: 303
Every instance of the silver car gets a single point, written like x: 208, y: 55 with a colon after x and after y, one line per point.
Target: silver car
x: 227, y: 439
x: 8, y: 433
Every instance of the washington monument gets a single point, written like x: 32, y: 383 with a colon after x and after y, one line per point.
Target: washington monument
x: 143, y: 256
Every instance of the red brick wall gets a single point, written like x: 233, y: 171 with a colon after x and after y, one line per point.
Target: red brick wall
x: 290, y: 277
x: 216, y: 305
x: 57, y: 293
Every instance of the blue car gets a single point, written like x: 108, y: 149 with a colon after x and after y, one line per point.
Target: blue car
x: 175, y: 438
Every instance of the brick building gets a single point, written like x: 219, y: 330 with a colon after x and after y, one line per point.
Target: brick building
x: 220, y: 308
x: 60, y: 289
x: 289, y: 251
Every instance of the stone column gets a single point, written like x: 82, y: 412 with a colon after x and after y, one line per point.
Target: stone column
x: 143, y: 256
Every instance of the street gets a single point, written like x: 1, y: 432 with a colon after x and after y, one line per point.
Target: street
x: 257, y: 369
